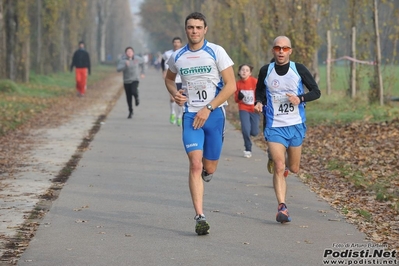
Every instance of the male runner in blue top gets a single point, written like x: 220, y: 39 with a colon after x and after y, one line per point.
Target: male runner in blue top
x: 280, y: 94
x: 208, y: 81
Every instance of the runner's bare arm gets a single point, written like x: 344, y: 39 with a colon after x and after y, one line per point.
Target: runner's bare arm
x: 170, y: 84
x: 228, y: 89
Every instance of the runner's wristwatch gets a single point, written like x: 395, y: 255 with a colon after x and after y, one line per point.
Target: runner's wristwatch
x: 209, y: 107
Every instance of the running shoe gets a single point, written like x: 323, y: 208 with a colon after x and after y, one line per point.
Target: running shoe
x: 201, y: 225
x: 247, y: 154
x: 172, y: 119
x: 286, y: 172
x: 179, y: 121
x: 270, y: 166
x: 205, y: 176
x: 282, y: 215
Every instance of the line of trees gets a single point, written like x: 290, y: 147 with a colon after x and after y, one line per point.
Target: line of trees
x: 41, y: 35
x: 247, y: 28
x: 244, y: 28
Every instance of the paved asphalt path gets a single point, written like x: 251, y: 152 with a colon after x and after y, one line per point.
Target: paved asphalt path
x: 128, y: 202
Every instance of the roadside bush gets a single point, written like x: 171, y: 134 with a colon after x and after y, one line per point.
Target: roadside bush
x: 7, y: 86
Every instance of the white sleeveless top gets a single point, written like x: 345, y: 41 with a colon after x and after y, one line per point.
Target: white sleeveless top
x: 279, y: 111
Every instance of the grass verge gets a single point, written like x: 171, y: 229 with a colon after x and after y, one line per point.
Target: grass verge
x: 19, y: 102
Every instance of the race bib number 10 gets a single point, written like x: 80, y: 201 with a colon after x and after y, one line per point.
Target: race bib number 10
x: 200, y: 93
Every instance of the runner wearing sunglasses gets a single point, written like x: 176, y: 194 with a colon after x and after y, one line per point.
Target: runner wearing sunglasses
x: 280, y: 95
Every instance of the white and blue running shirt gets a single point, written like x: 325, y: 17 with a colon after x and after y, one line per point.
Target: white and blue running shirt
x: 279, y: 111
x: 166, y: 57
x: 200, y: 73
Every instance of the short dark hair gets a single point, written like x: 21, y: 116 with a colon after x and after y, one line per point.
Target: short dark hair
x: 176, y: 39
x: 81, y: 42
x: 195, y: 15
x: 129, y: 47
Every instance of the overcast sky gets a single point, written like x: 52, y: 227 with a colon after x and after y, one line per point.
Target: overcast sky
x: 135, y: 4
x: 139, y: 41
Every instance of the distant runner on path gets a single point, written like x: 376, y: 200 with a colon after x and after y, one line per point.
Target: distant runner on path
x: 176, y: 111
x: 245, y: 97
x: 133, y: 68
x: 81, y: 62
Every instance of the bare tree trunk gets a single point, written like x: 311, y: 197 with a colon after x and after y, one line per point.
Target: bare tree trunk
x: 102, y: 43
x: 315, y: 66
x: 62, y: 47
x: 22, y: 49
x: 395, y: 53
x: 100, y: 30
x: 2, y: 43
x: 104, y: 11
x: 328, y: 66
x: 197, y: 5
x: 39, y: 60
x: 353, y: 65
x: 11, y: 28
x: 377, y: 40
x: 90, y: 32
x: 303, y: 28
x: 120, y: 32
x: 23, y: 68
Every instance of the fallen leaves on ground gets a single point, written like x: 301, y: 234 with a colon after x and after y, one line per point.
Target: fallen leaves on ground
x: 16, y: 144
x: 355, y: 168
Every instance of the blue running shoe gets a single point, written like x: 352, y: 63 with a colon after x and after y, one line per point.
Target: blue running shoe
x: 282, y: 215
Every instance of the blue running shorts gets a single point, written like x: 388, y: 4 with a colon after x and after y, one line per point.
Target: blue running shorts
x: 209, y: 138
x: 290, y: 136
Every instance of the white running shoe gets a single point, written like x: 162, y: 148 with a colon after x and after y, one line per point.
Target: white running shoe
x: 247, y: 154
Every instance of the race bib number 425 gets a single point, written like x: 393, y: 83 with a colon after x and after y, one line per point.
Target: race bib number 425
x: 282, y: 106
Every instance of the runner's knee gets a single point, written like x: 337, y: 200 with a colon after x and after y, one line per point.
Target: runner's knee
x: 294, y: 169
x: 279, y: 166
x: 196, y: 166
